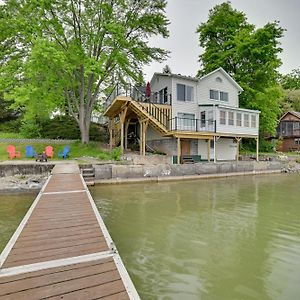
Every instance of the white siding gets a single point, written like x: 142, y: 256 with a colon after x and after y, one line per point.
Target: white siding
x: 160, y: 82
x: 189, y: 107
x: 152, y: 134
x: 226, y: 149
x: 209, y: 83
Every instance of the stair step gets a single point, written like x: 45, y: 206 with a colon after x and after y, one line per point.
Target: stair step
x: 90, y: 183
x: 87, y: 170
x: 88, y: 176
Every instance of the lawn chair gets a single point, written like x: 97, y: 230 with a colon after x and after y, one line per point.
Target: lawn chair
x: 30, y: 151
x: 12, y: 153
x: 64, y: 153
x: 49, y: 151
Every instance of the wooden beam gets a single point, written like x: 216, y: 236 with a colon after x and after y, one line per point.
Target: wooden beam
x: 178, y: 150
x: 141, y: 136
x: 215, y: 150
x: 145, y: 125
x: 122, y: 117
x: 126, y: 132
x: 110, y: 128
x: 208, y: 150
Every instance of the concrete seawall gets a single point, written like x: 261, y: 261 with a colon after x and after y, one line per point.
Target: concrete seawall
x: 130, y: 173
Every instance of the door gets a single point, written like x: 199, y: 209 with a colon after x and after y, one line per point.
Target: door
x: 185, y: 147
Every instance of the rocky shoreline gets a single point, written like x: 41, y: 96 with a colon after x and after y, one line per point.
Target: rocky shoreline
x: 22, y: 183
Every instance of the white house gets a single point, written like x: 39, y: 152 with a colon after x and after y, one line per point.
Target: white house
x: 186, y: 117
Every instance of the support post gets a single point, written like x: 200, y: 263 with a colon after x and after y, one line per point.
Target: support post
x: 178, y: 151
x: 145, y: 125
x: 122, y: 116
x: 257, y: 148
x: 126, y: 133
x: 208, y: 150
x: 110, y: 128
x: 215, y: 150
x: 141, y: 137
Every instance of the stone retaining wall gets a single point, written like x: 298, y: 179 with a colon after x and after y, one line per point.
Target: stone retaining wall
x: 107, y: 172
x: 25, y: 169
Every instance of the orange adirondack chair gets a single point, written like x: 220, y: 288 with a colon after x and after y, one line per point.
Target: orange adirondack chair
x: 49, y: 151
x: 12, y: 153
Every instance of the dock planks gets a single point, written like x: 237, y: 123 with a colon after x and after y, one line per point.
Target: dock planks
x: 62, y: 249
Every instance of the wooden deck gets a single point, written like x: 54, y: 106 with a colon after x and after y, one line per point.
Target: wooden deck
x: 62, y: 249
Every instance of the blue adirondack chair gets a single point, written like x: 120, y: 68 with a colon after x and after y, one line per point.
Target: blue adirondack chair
x: 30, y: 151
x: 64, y: 153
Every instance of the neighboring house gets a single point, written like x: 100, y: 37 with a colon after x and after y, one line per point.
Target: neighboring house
x: 186, y: 116
x: 288, y: 131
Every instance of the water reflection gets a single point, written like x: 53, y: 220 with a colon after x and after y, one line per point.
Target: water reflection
x: 236, y: 238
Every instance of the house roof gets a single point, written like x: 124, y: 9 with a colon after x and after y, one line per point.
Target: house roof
x: 294, y: 113
x: 174, y: 76
x: 203, y: 77
x: 226, y: 75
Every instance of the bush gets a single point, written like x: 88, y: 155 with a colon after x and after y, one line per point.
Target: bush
x: 64, y: 127
x: 11, y: 126
x: 31, y: 129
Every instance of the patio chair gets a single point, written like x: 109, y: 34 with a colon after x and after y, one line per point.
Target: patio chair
x: 12, y: 153
x: 64, y: 153
x: 49, y: 151
x: 30, y: 151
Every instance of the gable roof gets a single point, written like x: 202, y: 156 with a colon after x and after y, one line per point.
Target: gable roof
x: 294, y: 113
x: 179, y: 76
x: 226, y: 75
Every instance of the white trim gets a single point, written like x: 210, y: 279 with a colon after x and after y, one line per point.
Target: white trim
x: 21, y: 226
x: 55, y: 263
x: 129, y: 286
x: 66, y: 192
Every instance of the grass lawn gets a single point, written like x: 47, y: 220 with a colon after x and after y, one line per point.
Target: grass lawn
x: 78, y: 151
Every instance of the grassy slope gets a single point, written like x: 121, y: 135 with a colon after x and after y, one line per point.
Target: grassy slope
x: 78, y: 150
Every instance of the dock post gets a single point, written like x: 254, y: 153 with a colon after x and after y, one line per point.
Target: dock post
x: 257, y: 148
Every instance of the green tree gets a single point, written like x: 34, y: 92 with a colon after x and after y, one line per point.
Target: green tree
x: 68, y: 52
x: 249, y: 55
x: 291, y: 81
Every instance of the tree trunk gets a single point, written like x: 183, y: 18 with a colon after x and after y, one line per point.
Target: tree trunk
x: 85, y: 132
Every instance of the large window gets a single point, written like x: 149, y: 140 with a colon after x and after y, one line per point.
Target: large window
x: 230, y: 118
x: 223, y: 117
x: 246, y: 120
x: 202, y: 118
x: 185, y: 92
x: 218, y: 95
x: 253, y: 121
x: 238, y: 119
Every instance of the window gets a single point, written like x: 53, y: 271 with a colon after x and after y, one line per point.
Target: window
x: 253, y: 121
x: 222, y: 117
x: 185, y: 92
x: 246, y: 120
x: 230, y: 118
x: 202, y: 118
x: 180, y: 92
x: 223, y: 96
x: 297, y: 142
x: 218, y: 95
x: 214, y: 94
x: 238, y: 119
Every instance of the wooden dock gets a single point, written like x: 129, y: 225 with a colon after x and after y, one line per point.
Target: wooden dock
x: 62, y: 249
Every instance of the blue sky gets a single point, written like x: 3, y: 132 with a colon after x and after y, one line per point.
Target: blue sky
x: 186, y: 15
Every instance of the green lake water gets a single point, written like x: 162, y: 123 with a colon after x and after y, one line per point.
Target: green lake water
x: 233, y: 238
x: 13, y: 207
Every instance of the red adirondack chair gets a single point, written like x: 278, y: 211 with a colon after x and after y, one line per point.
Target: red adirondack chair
x: 12, y: 153
x: 49, y: 151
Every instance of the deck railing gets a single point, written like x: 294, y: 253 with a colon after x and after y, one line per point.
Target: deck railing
x: 160, y: 111
x: 194, y: 125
